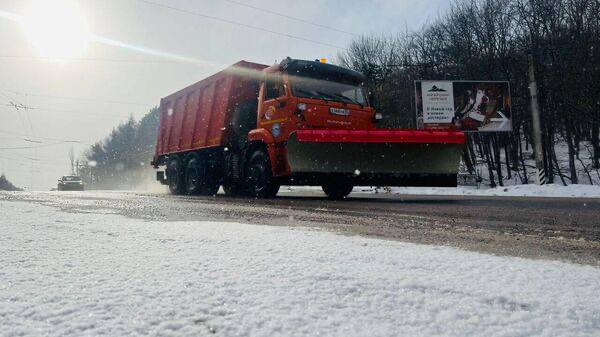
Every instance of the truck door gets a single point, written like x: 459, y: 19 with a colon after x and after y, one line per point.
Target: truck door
x: 273, y: 110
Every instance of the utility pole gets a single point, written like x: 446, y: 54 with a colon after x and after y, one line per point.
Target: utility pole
x: 72, y: 160
x: 536, y: 124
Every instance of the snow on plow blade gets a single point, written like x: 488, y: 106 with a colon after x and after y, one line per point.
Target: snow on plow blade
x: 378, y: 157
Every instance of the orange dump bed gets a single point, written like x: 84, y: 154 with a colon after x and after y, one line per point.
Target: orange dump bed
x: 198, y: 116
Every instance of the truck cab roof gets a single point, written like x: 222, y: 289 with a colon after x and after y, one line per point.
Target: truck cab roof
x: 321, y: 70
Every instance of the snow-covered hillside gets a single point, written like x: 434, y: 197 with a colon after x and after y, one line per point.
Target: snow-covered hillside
x: 73, y: 274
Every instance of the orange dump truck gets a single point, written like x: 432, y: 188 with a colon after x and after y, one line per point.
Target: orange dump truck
x: 252, y: 128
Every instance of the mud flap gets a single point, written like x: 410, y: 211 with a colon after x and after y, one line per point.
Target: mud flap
x: 161, y: 177
x: 386, y: 158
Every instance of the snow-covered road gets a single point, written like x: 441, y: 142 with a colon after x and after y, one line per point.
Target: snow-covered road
x: 72, y: 274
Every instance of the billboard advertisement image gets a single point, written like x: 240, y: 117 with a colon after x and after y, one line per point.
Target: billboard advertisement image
x: 470, y: 106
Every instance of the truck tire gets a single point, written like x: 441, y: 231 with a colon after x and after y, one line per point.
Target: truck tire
x: 259, y: 177
x: 232, y: 184
x: 337, y: 190
x: 175, y: 177
x: 194, y: 177
x: 198, y: 180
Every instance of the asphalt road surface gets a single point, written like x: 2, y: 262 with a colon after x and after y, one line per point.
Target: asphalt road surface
x: 548, y: 228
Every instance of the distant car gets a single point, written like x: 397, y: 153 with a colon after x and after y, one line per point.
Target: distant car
x: 70, y: 183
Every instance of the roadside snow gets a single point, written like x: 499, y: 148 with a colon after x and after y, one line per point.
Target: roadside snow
x: 70, y: 274
x: 554, y: 191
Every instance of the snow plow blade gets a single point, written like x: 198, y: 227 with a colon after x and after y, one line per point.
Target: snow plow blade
x: 376, y: 158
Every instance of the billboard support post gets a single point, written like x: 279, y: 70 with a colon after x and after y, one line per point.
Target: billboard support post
x: 536, y: 125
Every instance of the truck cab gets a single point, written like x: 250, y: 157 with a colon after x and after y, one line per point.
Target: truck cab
x: 319, y: 129
x: 298, y: 94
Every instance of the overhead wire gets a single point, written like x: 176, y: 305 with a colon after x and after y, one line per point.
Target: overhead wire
x: 269, y: 11
x: 237, y: 23
x: 32, y: 147
x: 76, y: 112
x: 16, y: 111
x: 99, y: 100
x: 46, y: 138
x: 36, y: 163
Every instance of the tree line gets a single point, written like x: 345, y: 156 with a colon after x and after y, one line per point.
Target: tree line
x: 493, y: 40
x: 121, y: 160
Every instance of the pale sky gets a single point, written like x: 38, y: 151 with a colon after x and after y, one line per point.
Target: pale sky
x: 83, y: 97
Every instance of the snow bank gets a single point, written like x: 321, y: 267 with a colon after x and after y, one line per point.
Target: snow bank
x: 68, y: 274
x: 531, y: 190
x: 557, y: 191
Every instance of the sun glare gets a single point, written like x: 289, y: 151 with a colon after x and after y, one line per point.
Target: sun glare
x: 56, y: 28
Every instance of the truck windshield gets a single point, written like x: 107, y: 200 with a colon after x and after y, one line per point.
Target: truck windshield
x: 308, y: 87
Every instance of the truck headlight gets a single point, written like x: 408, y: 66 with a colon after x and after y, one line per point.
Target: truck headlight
x: 378, y: 116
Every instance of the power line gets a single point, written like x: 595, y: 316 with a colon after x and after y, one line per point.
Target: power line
x: 16, y: 111
x: 77, y: 112
x: 38, y: 162
x: 18, y: 106
x: 266, y: 10
x: 77, y: 98
x: 236, y: 23
x: 5, y: 96
x: 32, y: 141
x: 45, y: 138
x: 21, y: 107
x: 32, y: 147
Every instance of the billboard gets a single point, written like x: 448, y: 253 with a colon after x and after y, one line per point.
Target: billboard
x: 470, y: 106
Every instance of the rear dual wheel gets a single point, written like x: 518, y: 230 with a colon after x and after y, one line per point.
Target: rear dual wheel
x: 200, y: 178
x: 175, y: 177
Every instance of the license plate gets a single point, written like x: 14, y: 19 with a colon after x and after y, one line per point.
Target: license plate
x: 339, y: 112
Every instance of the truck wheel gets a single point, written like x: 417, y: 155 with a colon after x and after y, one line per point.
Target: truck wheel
x: 337, y: 190
x: 259, y: 177
x: 175, y: 177
x: 194, y: 177
x: 197, y: 179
